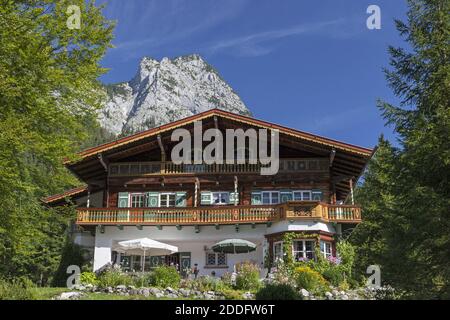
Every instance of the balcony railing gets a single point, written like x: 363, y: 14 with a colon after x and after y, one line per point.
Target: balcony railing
x: 318, y: 210
x: 293, y: 210
x: 157, y: 167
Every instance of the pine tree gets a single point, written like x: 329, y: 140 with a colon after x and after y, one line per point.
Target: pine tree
x: 414, y: 226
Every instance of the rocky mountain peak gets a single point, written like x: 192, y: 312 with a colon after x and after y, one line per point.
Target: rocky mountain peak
x: 165, y: 91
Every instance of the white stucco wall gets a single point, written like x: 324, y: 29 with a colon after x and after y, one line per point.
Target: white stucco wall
x: 187, y: 240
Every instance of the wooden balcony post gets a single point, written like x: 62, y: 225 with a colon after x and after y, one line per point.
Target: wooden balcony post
x: 351, y: 190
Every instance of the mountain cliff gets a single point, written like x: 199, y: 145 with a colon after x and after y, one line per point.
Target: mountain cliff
x: 165, y: 91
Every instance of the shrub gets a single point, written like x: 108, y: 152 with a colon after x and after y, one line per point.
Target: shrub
x: 277, y: 291
x: 88, y: 277
x: 17, y: 289
x: 165, y: 276
x: 113, y: 278
x: 310, y: 280
x: 227, y: 280
x: 334, y: 275
x: 231, y: 294
x: 247, y: 277
x: 203, y: 283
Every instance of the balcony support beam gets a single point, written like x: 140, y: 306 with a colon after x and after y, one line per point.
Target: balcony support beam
x: 332, y: 155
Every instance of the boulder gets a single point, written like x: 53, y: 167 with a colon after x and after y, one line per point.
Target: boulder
x: 69, y: 295
x: 304, y: 292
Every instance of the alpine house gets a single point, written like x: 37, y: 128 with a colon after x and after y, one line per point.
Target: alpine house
x: 134, y: 190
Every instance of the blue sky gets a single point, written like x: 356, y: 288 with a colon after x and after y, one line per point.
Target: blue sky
x: 310, y: 65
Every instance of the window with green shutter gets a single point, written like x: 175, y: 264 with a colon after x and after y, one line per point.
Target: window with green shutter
x: 256, y: 198
x: 205, y: 197
x: 317, y: 195
x: 180, y: 199
x: 123, y: 200
x: 234, y: 196
x: 286, y: 196
x: 152, y: 199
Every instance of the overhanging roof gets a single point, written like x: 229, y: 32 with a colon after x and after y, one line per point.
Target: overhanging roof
x: 349, y: 160
x: 338, y: 145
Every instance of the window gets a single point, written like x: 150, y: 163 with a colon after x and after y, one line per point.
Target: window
x: 256, y: 198
x: 167, y: 200
x: 325, y: 248
x: 303, y: 249
x: 277, y: 250
x: 220, y: 198
x: 137, y: 200
x: 216, y: 259
x: 270, y: 197
x: 286, y: 196
x: 302, y: 195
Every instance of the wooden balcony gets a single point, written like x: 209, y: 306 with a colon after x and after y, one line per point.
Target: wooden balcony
x: 168, y: 168
x: 293, y: 210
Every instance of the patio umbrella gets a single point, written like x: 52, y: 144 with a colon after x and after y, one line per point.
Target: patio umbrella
x: 234, y: 246
x: 143, y: 245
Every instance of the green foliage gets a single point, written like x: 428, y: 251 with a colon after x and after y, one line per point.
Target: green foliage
x: 310, y: 280
x: 277, y: 291
x: 113, y: 278
x: 406, y: 196
x: 48, y: 90
x: 231, y: 294
x: 72, y: 254
x: 205, y: 283
x: 165, y: 276
x: 247, y: 277
x: 88, y: 277
x: 17, y: 289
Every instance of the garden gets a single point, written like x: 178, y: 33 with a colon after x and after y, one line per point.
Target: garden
x: 330, y: 278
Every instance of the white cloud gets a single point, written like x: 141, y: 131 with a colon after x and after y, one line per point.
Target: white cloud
x: 256, y: 44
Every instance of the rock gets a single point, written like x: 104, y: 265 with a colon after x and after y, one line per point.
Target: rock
x: 159, y: 295
x: 145, y: 292
x: 185, y: 292
x: 211, y: 293
x: 69, y: 295
x: 79, y: 287
x: 208, y: 296
x: 170, y: 290
x: 172, y: 296
x: 304, y: 292
x: 155, y: 291
x: 121, y: 287
x: 328, y: 295
x: 133, y: 292
x: 344, y: 297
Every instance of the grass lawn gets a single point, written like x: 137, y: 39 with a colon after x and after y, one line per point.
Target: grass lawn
x: 47, y: 293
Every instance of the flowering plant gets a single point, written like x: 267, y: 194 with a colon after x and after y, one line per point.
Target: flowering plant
x: 334, y: 260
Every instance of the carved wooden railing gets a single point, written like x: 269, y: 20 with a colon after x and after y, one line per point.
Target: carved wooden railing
x: 293, y: 210
x: 156, y: 167
x: 199, y: 215
x: 319, y: 210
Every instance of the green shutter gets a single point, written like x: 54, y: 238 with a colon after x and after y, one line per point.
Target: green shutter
x: 234, y: 195
x: 152, y: 199
x: 317, y: 195
x: 123, y: 200
x: 180, y: 200
x: 285, y: 196
x: 256, y: 198
x: 205, y: 197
